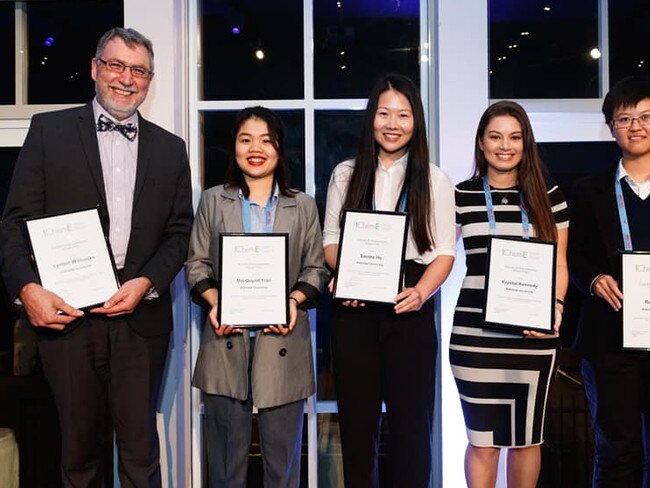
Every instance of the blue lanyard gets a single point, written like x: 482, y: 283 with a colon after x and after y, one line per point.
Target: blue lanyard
x: 492, y: 222
x: 622, y: 213
x: 402, y: 202
x: 268, y: 215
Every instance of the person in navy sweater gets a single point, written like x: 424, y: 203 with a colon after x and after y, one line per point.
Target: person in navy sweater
x: 617, y: 381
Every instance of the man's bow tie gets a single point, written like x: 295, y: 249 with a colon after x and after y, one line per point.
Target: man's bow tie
x: 127, y: 130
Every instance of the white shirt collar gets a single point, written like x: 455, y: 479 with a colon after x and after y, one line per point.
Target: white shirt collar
x: 400, y: 163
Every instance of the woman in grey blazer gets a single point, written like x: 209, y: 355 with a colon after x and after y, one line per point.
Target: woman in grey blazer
x: 271, y: 369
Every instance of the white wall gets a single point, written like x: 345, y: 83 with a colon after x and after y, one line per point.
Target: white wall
x: 463, y: 95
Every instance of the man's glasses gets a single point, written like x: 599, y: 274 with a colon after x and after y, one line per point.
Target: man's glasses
x: 119, y: 67
x: 625, y: 121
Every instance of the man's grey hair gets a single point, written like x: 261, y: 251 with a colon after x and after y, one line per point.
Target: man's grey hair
x: 131, y: 38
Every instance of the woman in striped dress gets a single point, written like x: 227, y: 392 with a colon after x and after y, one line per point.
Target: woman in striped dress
x: 503, y: 378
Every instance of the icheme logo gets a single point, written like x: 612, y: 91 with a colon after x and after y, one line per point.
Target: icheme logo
x: 247, y: 249
x: 63, y: 229
x: 518, y: 254
x: 52, y: 231
x: 367, y: 225
x: 641, y: 268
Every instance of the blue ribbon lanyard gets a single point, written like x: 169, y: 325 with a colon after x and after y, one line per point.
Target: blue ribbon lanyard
x: 489, y: 205
x: 622, y: 213
x: 402, y: 202
x: 268, y: 215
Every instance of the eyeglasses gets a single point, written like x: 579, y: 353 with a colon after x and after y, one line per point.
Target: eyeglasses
x: 625, y: 121
x: 119, y: 67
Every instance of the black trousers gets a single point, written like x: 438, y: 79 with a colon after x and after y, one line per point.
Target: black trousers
x: 378, y: 355
x: 617, y: 386
x: 104, y: 370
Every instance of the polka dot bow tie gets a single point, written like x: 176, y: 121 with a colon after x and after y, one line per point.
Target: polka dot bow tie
x: 127, y: 130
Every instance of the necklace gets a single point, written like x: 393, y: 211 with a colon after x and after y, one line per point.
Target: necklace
x: 504, y: 198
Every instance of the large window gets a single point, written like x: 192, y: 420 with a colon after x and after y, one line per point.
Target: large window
x: 314, y: 64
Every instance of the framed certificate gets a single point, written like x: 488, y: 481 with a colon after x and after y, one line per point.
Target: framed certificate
x: 635, y: 267
x: 72, y: 257
x: 371, y: 256
x: 520, y: 284
x: 253, y: 279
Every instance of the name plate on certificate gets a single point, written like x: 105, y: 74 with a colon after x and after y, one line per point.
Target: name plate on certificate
x: 253, y: 280
x: 635, y: 268
x: 72, y: 257
x: 371, y: 256
x: 520, y: 284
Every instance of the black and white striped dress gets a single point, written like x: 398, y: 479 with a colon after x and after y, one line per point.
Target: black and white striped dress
x: 503, y: 379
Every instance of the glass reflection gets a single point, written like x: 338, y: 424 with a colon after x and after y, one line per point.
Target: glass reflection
x: 252, y: 49
x: 7, y: 50
x: 62, y: 42
x: 217, y: 145
x: 336, y: 137
x: 541, y: 49
x: 330, y: 461
x: 628, y: 27
x: 356, y: 41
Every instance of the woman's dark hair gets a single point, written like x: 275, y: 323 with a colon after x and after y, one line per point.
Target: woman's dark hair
x: 234, y: 174
x: 530, y: 172
x: 416, y: 181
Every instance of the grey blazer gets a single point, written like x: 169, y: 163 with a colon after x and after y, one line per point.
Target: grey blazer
x: 282, y: 368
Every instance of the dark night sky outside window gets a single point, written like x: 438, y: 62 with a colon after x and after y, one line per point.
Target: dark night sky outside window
x: 62, y: 42
x: 360, y: 40
x: 629, y: 21
x: 539, y: 53
x: 7, y: 35
x: 234, y: 35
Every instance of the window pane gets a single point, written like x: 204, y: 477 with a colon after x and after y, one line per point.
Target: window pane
x: 355, y: 42
x: 252, y: 49
x: 540, y: 53
x: 62, y: 41
x: 217, y: 127
x: 628, y: 33
x: 7, y: 50
x: 337, y: 133
x: 8, y: 157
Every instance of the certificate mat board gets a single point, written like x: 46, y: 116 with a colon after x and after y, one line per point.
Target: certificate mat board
x: 635, y: 272
x: 253, y: 279
x: 520, y: 284
x: 72, y: 257
x: 371, y: 256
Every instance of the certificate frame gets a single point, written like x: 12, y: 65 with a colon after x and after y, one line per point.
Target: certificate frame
x: 372, y: 245
x: 519, y: 289
x: 265, y: 256
x: 635, y: 286
x: 83, y: 281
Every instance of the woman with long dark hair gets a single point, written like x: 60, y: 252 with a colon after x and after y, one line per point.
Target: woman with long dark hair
x: 388, y: 352
x: 272, y: 368
x: 504, y: 378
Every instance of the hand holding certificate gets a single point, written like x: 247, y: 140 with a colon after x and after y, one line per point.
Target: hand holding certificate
x: 72, y: 257
x: 520, y: 285
x: 253, y: 280
x: 371, y: 256
x: 636, y: 304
